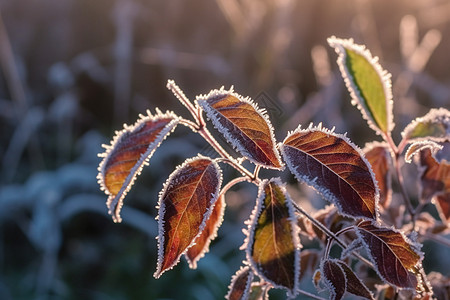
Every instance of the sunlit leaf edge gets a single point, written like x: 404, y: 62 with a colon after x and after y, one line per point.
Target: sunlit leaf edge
x: 161, y: 209
x: 236, y: 277
x: 330, y: 286
x: 193, y: 263
x: 115, y: 202
x: 416, y: 246
x: 368, y: 147
x: 211, y: 113
x: 325, y: 193
x: 385, y: 78
x: 250, y: 231
x: 435, y: 115
x: 418, y: 146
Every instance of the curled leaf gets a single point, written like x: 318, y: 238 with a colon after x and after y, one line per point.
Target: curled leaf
x: 335, y: 167
x: 418, y: 146
x: 273, y: 244
x: 334, y: 278
x: 434, y: 126
x: 185, y: 203
x: 380, y: 159
x: 201, y: 243
x: 244, y: 126
x: 129, y: 151
x: 394, y: 256
x: 369, y: 85
x: 239, y: 288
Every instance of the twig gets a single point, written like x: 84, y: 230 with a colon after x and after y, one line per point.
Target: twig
x: 329, y: 233
x: 309, y: 294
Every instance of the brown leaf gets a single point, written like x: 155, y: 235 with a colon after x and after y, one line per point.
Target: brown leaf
x: 334, y: 278
x: 240, y: 284
x: 354, y: 284
x: 185, y: 203
x: 335, y: 167
x: 129, y: 151
x: 395, y: 257
x: 435, y: 180
x: 273, y: 244
x: 243, y: 125
x: 201, y: 243
x: 442, y: 202
x: 380, y: 159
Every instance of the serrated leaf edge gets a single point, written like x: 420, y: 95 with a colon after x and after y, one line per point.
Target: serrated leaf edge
x: 238, y: 273
x: 251, y: 223
x: 161, y: 209
x: 435, y: 115
x: 193, y: 263
x: 326, y: 194
x: 201, y: 101
x: 414, y: 245
x: 385, y: 77
x: 327, y: 282
x: 116, y: 202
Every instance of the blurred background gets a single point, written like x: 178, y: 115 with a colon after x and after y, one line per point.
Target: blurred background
x: 73, y: 71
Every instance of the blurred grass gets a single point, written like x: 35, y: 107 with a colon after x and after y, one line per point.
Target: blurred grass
x: 78, y: 69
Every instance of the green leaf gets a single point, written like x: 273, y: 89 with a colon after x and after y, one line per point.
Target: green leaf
x: 434, y: 126
x: 369, y: 85
x: 273, y: 243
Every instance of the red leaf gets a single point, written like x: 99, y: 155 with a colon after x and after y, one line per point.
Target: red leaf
x: 395, y: 257
x: 240, y: 284
x: 201, y: 243
x: 273, y: 245
x: 129, y: 151
x: 334, y: 278
x: 335, y: 167
x: 243, y: 125
x: 185, y: 203
x: 380, y: 159
x: 354, y: 284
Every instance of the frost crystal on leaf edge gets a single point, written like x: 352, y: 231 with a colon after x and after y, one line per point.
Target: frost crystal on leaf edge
x: 115, y: 203
x: 385, y: 78
x: 161, y: 210
x: 250, y: 231
x: 248, y: 284
x: 213, y: 115
x: 326, y: 194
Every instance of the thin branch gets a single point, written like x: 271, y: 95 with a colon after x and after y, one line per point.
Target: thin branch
x: 439, y: 239
x: 309, y: 294
x: 329, y: 233
x: 406, y: 199
x: 175, y: 89
x: 231, y: 183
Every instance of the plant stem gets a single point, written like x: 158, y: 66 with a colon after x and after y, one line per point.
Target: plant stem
x: 309, y: 294
x: 175, y: 89
x: 438, y: 239
x: 329, y: 233
x: 406, y: 199
x: 231, y: 183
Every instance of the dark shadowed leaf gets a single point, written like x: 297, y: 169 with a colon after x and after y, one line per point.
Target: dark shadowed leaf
x: 201, y: 243
x: 129, y: 151
x: 239, y: 288
x: 369, y: 85
x: 335, y: 167
x: 395, y: 257
x: 354, y: 284
x: 442, y: 202
x: 434, y: 126
x: 273, y: 244
x: 334, y: 278
x: 244, y: 126
x: 380, y: 159
x: 185, y: 203
x: 434, y: 177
